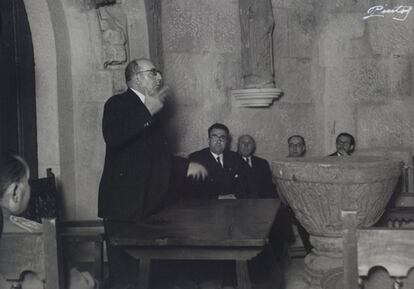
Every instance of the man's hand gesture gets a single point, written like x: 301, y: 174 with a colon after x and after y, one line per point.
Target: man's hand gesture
x: 197, y: 171
x: 155, y: 101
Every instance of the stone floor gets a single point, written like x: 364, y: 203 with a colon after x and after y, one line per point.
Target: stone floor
x: 291, y: 277
x: 288, y: 277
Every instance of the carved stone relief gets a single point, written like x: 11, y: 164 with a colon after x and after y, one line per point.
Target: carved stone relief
x: 112, y: 22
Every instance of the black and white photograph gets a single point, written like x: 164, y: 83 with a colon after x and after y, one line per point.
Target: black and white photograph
x: 206, y: 144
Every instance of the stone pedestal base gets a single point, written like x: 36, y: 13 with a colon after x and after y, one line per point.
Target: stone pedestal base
x: 326, y: 255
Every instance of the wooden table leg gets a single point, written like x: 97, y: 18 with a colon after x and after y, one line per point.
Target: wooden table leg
x: 144, y: 273
x: 243, y: 278
x: 98, y: 264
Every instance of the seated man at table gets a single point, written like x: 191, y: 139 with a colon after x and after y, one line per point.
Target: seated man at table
x: 345, y: 145
x: 227, y: 179
x: 226, y: 169
x: 297, y: 149
x: 297, y: 146
x: 259, y: 175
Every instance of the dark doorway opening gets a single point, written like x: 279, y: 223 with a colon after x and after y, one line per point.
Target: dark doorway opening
x: 18, y: 132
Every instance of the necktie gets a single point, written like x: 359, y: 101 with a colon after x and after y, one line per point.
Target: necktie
x: 219, y: 161
x: 248, y: 161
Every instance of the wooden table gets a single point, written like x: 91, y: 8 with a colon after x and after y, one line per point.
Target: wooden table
x: 202, y: 230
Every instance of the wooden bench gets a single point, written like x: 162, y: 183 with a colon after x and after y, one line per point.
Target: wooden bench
x: 364, y: 249
x: 37, y: 252
x: 44, y: 203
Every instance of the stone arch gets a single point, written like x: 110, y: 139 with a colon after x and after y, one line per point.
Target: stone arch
x: 54, y: 102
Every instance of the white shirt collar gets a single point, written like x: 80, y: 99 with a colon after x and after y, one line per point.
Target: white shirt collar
x: 216, y: 155
x: 140, y: 95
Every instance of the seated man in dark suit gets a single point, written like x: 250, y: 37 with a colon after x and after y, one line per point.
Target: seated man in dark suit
x: 345, y: 145
x: 226, y: 180
x: 297, y: 146
x: 226, y: 169
x: 297, y: 149
x: 260, y: 184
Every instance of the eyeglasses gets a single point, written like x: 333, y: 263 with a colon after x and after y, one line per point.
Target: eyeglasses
x: 153, y: 71
x: 215, y: 138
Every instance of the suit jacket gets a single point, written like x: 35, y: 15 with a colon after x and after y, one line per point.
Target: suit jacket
x: 260, y: 183
x: 138, y: 168
x: 230, y: 179
x: 1, y: 222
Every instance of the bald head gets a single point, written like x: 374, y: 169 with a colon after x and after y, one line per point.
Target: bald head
x: 246, y: 145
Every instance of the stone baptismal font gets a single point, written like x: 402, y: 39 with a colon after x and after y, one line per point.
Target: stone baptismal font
x: 318, y: 188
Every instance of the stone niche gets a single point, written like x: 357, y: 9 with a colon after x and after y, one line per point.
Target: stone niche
x: 257, y: 24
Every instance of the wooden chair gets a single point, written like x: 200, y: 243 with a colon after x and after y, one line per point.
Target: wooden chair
x: 37, y: 252
x: 87, y: 231
x: 44, y: 204
x: 364, y: 249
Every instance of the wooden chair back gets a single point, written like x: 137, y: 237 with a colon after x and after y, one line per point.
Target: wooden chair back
x: 44, y: 198
x: 364, y: 249
x: 36, y: 252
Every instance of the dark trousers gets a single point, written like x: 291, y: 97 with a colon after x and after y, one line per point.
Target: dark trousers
x: 123, y: 269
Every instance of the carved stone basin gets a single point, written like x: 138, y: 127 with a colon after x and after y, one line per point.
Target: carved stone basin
x: 318, y: 188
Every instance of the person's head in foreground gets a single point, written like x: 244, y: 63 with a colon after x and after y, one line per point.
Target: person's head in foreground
x: 14, y: 184
x: 246, y: 145
x: 345, y: 144
x: 218, y: 136
x: 297, y: 146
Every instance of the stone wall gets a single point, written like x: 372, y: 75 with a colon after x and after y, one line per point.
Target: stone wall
x: 202, y: 52
x: 338, y: 73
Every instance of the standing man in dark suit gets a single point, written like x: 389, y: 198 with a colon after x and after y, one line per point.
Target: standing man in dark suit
x: 260, y: 184
x: 226, y: 169
x: 139, y: 171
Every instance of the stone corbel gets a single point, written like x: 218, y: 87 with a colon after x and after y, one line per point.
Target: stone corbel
x: 256, y: 97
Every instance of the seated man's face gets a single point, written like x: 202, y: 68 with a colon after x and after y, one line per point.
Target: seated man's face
x: 343, y: 144
x: 245, y: 146
x: 296, y: 147
x: 217, y: 140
